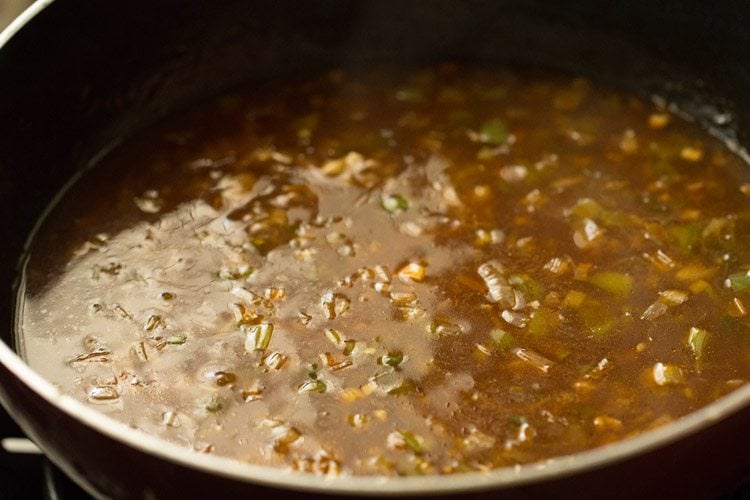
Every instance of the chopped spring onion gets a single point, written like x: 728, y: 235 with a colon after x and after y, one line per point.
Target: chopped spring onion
x: 394, y: 203
x: 501, y: 338
x: 533, y: 358
x: 349, y: 345
x: 618, y: 284
x: 334, y: 336
x: 312, y: 386
x: 493, y: 132
x: 666, y: 374
x: 392, y: 359
x: 441, y: 328
x: 739, y: 282
x: 215, y: 404
x: 542, y: 321
x: 334, y: 304
x: 259, y: 337
x: 655, y: 310
x: 176, y: 339
x: 574, y: 299
x: 406, y: 440
x: 686, y: 236
x: 673, y: 297
x: 697, y: 342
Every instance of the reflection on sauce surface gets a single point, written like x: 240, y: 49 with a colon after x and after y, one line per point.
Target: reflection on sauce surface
x: 400, y: 273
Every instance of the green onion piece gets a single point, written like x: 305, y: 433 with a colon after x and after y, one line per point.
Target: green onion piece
x: 312, y: 386
x: 409, y: 94
x: 597, y: 319
x: 215, y: 405
x: 404, y: 387
x: 260, y: 335
x: 392, y: 359
x: 412, y: 441
x: 686, y: 236
x: 493, y: 132
x: 226, y: 274
x: 176, y: 339
x: 349, y: 345
x: 697, y: 341
x: 618, y: 284
x: 394, y: 203
x: 586, y: 208
x: 615, y: 218
x: 501, y: 338
x: 542, y: 321
x: 740, y: 282
x: 333, y: 335
x: 667, y: 374
x: 528, y: 285
x: 443, y: 328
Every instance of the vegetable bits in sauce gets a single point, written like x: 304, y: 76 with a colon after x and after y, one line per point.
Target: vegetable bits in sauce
x: 391, y: 273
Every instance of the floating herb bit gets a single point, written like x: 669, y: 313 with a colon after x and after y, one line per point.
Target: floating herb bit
x: 499, y: 289
x: 223, y: 378
x: 574, y: 299
x: 215, y: 405
x: 440, y: 327
x: 349, y: 346
x: 394, y: 203
x: 542, y: 322
x: 697, y: 341
x: 312, y: 386
x: 533, y: 358
x: 493, y: 132
x: 258, y: 337
x: 103, y: 394
x: 392, y: 359
x: 176, y: 339
x: 284, y: 435
x: 619, y: 284
x: 667, y: 374
x: 686, y: 236
x: 501, y: 338
x: 334, y: 336
x: 739, y: 282
x: 406, y: 440
x: 655, y: 310
x: 673, y: 297
x: 409, y: 94
x: 153, y: 322
x: 226, y: 274
x: 334, y: 304
x: 253, y: 394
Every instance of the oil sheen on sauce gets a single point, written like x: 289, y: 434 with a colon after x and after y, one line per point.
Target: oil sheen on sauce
x: 383, y: 273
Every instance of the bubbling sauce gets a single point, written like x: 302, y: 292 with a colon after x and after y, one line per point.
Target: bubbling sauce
x: 390, y: 273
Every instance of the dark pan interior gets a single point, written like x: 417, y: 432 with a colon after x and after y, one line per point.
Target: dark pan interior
x: 86, y: 73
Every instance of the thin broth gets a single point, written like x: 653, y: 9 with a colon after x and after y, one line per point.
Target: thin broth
x: 395, y: 272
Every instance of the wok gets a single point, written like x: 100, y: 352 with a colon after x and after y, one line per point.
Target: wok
x: 78, y: 76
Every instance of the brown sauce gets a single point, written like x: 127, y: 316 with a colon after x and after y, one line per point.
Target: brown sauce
x: 400, y: 273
